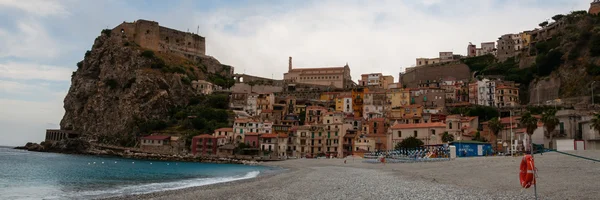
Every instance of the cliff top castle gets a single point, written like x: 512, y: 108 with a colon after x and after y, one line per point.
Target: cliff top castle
x: 148, y: 34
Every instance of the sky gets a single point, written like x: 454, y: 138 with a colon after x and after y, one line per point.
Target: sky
x: 42, y: 40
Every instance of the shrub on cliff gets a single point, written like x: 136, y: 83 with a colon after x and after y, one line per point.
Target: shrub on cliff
x: 106, y: 32
x: 111, y: 83
x: 148, y: 54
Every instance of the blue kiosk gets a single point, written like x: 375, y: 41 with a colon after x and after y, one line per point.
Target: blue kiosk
x: 472, y: 148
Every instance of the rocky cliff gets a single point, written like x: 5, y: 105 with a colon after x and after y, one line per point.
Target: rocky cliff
x: 120, y: 85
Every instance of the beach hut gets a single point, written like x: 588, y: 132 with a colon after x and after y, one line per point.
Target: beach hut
x: 467, y: 148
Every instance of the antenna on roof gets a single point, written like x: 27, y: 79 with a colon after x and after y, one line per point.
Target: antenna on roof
x: 198, y: 30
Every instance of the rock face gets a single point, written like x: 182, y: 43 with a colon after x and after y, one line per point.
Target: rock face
x: 116, y: 86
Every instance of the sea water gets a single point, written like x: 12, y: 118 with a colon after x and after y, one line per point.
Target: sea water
x: 36, y: 175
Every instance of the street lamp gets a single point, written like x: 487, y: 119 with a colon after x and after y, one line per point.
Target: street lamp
x: 593, y: 92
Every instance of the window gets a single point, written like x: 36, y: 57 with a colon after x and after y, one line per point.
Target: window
x: 399, y: 133
x: 415, y: 133
x: 450, y: 125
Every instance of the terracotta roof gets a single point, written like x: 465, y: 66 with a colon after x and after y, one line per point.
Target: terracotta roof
x: 204, y: 136
x: 251, y: 134
x: 274, y: 135
x: 266, y: 111
x: 506, y: 87
x: 378, y: 119
x: 221, y: 136
x: 349, y: 135
x: 316, y: 69
x: 242, y: 120
x: 421, y: 125
x: 227, y: 146
x: 412, y: 106
x: 226, y: 129
x: 316, y: 107
x: 156, y: 137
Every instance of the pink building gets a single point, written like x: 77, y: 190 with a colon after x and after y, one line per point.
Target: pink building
x: 251, y: 139
x: 204, y: 144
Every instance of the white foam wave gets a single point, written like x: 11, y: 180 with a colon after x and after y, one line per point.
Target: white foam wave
x: 155, y: 187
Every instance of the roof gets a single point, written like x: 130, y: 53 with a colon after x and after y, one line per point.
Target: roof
x: 204, y: 136
x: 226, y: 129
x: 421, y: 125
x: 468, y: 142
x: 350, y: 135
x: 220, y: 136
x: 380, y: 119
x: 506, y: 87
x: 266, y: 111
x: 156, y: 137
x: 274, y: 135
x: 227, y: 146
x: 316, y: 69
x: 251, y: 134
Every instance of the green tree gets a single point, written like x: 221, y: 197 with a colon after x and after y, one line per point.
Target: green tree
x: 543, y: 24
x: 596, y: 122
x: 495, y: 126
x: 550, y: 123
x: 446, y: 137
x: 251, y: 84
x: 557, y: 17
x: 302, y: 117
x: 529, y: 123
x: 410, y: 142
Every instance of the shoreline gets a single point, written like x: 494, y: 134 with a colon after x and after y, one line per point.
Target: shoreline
x: 464, y: 178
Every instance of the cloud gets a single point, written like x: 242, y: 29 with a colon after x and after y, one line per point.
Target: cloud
x: 36, y: 7
x: 30, y: 40
x: 32, y: 71
x: 26, y: 121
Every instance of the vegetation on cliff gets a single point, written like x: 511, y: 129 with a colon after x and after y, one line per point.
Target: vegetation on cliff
x: 573, y: 51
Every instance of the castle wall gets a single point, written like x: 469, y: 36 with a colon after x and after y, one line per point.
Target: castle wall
x: 174, y: 41
x: 420, y: 74
x: 594, y: 8
x: 148, y: 34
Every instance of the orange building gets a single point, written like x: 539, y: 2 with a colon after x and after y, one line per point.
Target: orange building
x: 358, y: 96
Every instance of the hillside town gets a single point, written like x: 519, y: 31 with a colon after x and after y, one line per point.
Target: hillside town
x: 324, y: 112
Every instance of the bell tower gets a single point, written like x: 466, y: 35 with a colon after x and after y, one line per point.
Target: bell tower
x: 594, y: 7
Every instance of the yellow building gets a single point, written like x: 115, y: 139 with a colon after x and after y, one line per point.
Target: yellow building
x: 328, y: 96
x: 409, y: 114
x: 525, y: 38
x: 398, y: 97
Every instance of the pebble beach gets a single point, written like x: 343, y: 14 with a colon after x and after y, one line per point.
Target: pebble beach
x: 559, y: 177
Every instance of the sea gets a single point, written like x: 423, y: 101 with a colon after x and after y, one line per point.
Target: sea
x: 37, y: 175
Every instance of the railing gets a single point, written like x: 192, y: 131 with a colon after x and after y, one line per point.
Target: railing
x: 404, y: 155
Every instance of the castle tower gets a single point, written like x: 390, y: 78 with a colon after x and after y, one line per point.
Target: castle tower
x: 594, y: 7
x: 290, y: 65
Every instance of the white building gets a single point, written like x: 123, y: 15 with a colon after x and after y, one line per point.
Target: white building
x: 251, y: 106
x: 518, y: 41
x: 347, y: 105
x: 486, y: 92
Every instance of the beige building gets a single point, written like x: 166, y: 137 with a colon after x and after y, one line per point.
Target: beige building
x: 426, y: 61
x: 507, y: 96
x: 429, y: 133
x: 375, y: 80
x: 338, y: 77
x: 203, y: 86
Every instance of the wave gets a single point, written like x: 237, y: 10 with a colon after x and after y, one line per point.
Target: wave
x: 156, y: 187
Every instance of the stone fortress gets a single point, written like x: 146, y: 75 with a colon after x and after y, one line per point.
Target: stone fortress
x: 148, y: 34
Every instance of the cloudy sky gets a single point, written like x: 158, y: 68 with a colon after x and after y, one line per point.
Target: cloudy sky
x: 42, y: 40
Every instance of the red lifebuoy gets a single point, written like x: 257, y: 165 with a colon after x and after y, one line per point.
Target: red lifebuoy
x: 527, y: 175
